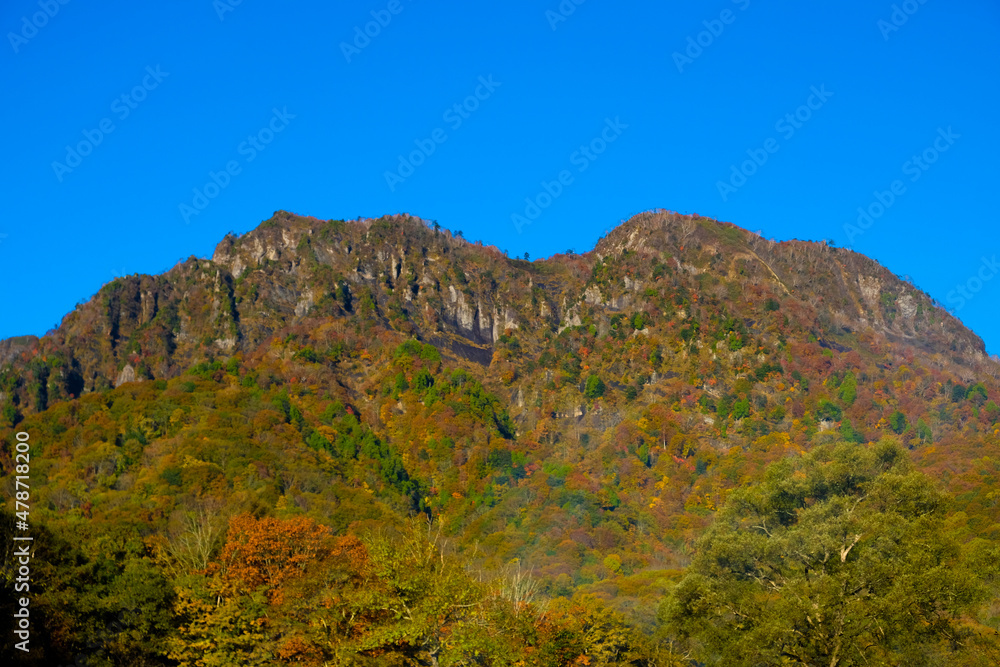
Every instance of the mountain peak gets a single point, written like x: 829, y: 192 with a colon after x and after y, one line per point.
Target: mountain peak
x: 420, y: 279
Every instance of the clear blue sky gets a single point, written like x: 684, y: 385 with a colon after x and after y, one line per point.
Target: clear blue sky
x: 210, y: 75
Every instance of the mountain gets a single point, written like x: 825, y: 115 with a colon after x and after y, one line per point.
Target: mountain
x: 583, y: 416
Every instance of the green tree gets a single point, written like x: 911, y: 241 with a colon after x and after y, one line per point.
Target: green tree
x: 851, y: 434
x: 828, y: 410
x: 8, y: 416
x: 725, y: 406
x: 924, y: 431
x: 423, y: 381
x: 897, y: 421
x: 837, y: 558
x: 978, y: 394
x: 594, y: 387
x: 849, y: 389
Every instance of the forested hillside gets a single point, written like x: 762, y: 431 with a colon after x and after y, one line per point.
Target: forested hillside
x: 373, y: 442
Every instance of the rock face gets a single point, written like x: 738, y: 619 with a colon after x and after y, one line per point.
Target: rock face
x: 11, y: 348
x: 398, y: 273
x: 304, y: 304
x: 462, y: 313
x: 127, y: 375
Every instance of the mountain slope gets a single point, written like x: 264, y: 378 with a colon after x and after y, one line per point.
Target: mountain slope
x: 585, y: 414
x: 432, y: 284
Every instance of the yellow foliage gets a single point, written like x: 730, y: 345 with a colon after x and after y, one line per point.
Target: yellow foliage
x: 772, y: 441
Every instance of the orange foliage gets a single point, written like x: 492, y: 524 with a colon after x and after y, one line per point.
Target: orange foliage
x: 269, y: 551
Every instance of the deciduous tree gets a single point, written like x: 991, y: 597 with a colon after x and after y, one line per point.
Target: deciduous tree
x: 839, y: 558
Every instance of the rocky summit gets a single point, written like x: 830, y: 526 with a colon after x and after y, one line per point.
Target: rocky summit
x: 376, y: 442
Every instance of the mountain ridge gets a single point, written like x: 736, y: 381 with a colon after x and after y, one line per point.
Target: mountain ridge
x: 586, y: 415
x: 135, y: 301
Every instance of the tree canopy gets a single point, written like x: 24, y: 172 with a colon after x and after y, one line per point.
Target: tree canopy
x: 839, y: 557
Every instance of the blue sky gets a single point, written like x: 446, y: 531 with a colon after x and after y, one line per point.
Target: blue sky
x: 118, y: 117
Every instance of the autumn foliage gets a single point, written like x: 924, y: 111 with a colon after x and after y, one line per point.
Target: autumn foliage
x: 377, y: 443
